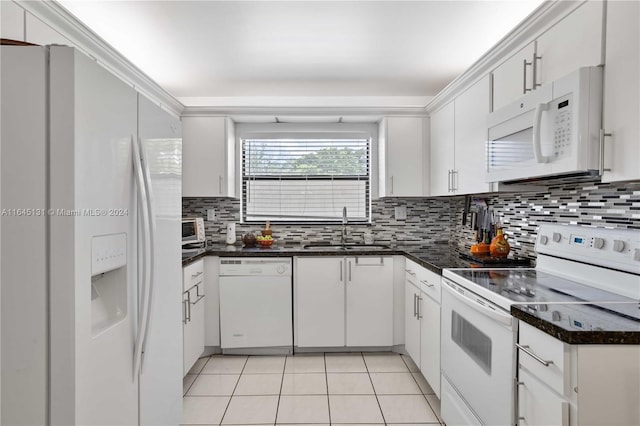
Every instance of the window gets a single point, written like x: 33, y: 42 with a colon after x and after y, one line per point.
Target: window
x: 305, y: 180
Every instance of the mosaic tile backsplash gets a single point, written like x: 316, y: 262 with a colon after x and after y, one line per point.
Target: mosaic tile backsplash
x: 438, y: 219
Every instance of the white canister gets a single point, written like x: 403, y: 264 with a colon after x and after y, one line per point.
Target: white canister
x: 231, y: 233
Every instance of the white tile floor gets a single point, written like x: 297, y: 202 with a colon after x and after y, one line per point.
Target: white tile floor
x: 309, y: 389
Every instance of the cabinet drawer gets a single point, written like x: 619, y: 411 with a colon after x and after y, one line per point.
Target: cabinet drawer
x: 424, y: 279
x: 430, y: 283
x: 544, y: 357
x: 192, y: 274
x: 539, y: 405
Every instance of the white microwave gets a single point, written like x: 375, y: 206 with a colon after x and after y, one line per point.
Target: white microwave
x: 193, y: 231
x: 552, y: 132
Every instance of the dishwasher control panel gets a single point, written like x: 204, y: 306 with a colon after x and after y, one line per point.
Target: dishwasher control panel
x: 255, y: 266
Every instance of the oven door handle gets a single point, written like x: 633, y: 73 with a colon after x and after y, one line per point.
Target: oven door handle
x: 505, y: 319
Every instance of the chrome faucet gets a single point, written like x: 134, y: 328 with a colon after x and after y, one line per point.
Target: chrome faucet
x: 345, y: 221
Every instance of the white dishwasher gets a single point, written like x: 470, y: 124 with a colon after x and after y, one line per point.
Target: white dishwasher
x: 256, y: 305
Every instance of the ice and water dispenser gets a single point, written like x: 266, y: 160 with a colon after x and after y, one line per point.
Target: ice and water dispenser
x: 108, y: 281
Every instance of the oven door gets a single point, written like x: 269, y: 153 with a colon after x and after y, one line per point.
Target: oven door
x: 478, y: 355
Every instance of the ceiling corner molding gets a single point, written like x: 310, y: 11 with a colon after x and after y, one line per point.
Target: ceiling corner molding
x: 199, y: 111
x: 58, y: 18
x: 541, y: 19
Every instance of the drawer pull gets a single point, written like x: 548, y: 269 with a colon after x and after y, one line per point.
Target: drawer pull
x: 525, y: 349
x: 196, y: 275
x: 428, y: 284
x: 410, y: 272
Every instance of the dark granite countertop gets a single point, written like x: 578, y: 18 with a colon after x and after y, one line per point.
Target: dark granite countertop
x: 434, y: 257
x: 584, y: 323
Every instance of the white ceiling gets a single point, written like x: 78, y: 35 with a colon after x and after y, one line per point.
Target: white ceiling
x: 273, y: 52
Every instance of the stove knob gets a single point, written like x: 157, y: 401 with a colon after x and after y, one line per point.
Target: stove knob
x: 556, y: 237
x: 544, y: 239
x: 543, y: 308
x: 555, y: 316
x: 618, y: 245
x: 598, y: 243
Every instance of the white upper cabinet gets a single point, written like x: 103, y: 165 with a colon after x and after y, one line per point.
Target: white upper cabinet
x: 471, y: 111
x: 621, y: 89
x: 403, y: 157
x: 208, y: 157
x: 11, y: 21
x: 573, y: 42
x: 442, y: 149
x: 458, y: 141
x: 513, y: 77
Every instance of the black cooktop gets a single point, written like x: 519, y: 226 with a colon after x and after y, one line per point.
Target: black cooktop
x: 526, y: 285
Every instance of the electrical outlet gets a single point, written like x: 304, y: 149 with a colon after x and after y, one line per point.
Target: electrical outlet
x: 211, y: 215
x: 401, y: 212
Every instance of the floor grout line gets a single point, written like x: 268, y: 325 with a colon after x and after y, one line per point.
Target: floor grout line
x: 328, y: 393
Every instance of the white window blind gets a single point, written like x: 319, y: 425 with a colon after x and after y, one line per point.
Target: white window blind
x: 305, y: 180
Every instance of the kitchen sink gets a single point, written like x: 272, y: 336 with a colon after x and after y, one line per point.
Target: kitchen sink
x: 341, y: 247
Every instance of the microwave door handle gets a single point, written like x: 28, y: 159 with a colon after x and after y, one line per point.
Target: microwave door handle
x: 537, y: 122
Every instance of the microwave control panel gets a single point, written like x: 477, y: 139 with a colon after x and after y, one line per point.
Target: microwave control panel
x: 563, y: 109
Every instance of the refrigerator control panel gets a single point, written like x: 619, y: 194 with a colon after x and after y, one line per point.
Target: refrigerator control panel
x: 108, y: 252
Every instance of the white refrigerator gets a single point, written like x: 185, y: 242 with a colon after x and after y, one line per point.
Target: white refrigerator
x: 90, y: 269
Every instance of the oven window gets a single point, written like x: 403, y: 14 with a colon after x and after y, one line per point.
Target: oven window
x: 473, y: 341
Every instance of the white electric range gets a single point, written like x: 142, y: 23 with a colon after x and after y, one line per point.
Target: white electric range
x: 596, y: 272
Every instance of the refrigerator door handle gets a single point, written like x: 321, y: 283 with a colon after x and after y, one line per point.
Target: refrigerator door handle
x: 151, y: 233
x: 146, y: 252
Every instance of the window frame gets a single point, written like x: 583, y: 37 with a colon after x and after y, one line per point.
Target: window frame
x: 309, y: 131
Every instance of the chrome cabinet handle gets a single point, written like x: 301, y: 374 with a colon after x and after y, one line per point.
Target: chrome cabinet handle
x: 196, y: 275
x: 602, y: 136
x: 414, y: 305
x: 535, y: 60
x: 525, y: 349
x: 454, y: 180
x: 184, y: 314
x: 418, y: 316
x: 349, y: 271
x: 188, y: 306
x: 410, y: 272
x: 341, y: 271
x: 392, y: 185
x: 524, y: 76
x: 428, y: 284
x: 448, y: 180
x: 220, y: 185
x: 199, y: 296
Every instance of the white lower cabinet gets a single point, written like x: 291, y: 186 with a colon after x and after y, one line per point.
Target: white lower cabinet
x: 212, y: 301
x: 538, y: 404
x: 343, y: 301
x: 412, y: 322
x: 422, y: 321
x: 193, y: 313
x: 570, y: 385
x: 430, y: 341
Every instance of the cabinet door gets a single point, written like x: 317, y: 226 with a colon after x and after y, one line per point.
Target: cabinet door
x: 205, y: 157
x: 471, y: 111
x: 442, y: 150
x: 369, y: 301
x: 412, y: 322
x: 319, y: 302
x: 429, y: 311
x: 512, y: 77
x: 193, y: 329
x: 621, y: 88
x: 538, y: 405
x: 404, y: 157
x: 212, y: 301
x: 574, y: 42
